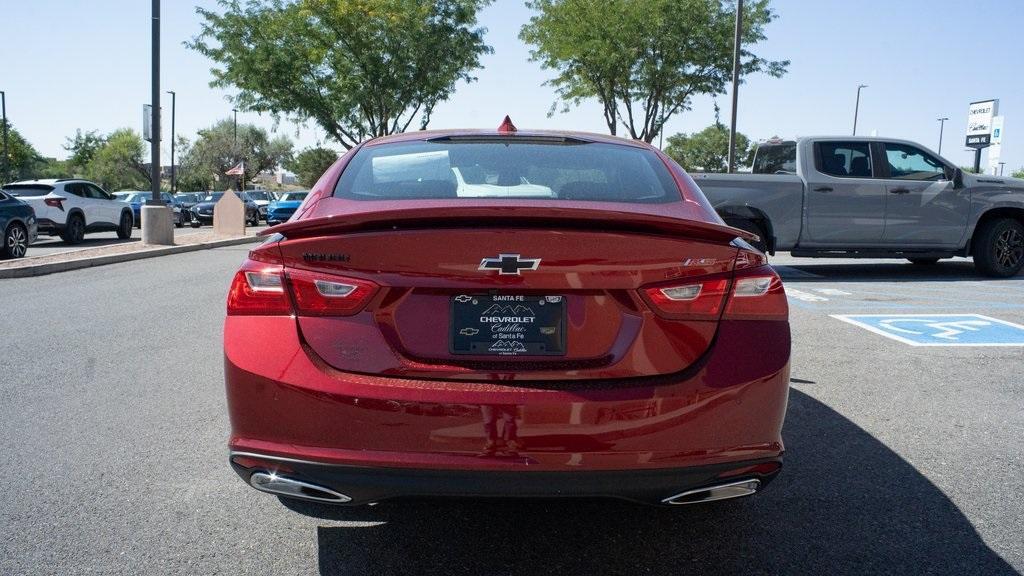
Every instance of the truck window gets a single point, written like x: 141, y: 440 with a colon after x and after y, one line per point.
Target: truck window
x: 844, y: 159
x: 775, y: 158
x: 910, y: 163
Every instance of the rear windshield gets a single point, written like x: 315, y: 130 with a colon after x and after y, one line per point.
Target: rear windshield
x: 499, y: 168
x: 28, y: 189
x: 775, y: 159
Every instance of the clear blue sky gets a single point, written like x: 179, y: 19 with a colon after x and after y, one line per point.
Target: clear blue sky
x: 66, y: 64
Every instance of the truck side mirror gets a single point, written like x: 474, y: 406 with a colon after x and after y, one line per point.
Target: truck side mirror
x: 956, y: 176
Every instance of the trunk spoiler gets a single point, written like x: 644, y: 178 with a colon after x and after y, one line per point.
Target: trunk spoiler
x: 444, y: 214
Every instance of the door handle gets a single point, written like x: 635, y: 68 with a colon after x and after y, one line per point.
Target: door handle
x: 899, y: 191
x: 823, y: 189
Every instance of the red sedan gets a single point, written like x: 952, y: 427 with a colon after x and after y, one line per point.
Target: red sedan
x: 506, y: 313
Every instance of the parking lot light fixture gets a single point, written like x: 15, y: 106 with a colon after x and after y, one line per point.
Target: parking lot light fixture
x: 856, y: 107
x: 157, y: 227
x: 942, y: 124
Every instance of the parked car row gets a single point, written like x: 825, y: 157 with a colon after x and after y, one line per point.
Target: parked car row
x: 138, y: 199
x: 71, y: 208
x: 202, y: 212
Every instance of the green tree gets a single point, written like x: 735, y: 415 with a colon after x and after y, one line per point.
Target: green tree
x: 215, y: 152
x: 119, y: 163
x: 1018, y: 173
x: 708, y: 150
x: 24, y: 162
x: 644, y: 60
x: 83, y: 147
x: 358, y: 68
x: 310, y: 164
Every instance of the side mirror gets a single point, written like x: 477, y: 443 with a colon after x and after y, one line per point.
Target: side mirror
x: 956, y: 176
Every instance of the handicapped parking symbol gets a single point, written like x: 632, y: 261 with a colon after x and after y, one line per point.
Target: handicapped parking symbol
x: 940, y: 329
x: 947, y: 330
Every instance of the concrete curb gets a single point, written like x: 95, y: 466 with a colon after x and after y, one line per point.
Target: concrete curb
x: 43, y: 269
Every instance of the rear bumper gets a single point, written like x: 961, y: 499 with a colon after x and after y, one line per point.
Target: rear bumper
x: 47, y: 226
x: 381, y: 437
x: 362, y: 485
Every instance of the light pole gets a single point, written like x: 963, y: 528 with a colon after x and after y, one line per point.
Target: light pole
x: 234, y: 147
x: 942, y: 124
x: 174, y: 188
x: 3, y: 106
x: 735, y: 84
x: 856, y: 108
x: 156, y: 217
x: 1001, y: 164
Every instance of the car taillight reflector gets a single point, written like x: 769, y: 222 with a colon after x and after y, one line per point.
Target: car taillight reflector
x: 693, y: 300
x: 257, y: 289
x: 318, y: 294
x: 757, y: 286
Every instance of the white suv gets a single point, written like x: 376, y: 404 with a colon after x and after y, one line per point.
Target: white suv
x: 71, y: 208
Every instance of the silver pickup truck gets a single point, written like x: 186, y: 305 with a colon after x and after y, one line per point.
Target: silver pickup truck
x: 860, y: 197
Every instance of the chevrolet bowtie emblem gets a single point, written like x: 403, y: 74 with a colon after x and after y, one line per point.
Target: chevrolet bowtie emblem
x: 509, y: 264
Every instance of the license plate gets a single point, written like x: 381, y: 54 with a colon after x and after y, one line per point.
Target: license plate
x: 507, y: 325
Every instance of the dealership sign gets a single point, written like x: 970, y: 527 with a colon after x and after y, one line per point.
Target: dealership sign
x: 979, y: 123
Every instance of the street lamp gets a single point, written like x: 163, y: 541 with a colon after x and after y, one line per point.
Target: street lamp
x: 856, y: 108
x: 174, y: 188
x: 3, y: 105
x: 234, y: 147
x: 156, y: 217
x: 942, y: 124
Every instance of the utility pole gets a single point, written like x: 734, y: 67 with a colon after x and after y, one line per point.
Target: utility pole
x: 942, y: 124
x: 7, y: 153
x: 856, y: 108
x: 735, y: 83
x: 174, y: 171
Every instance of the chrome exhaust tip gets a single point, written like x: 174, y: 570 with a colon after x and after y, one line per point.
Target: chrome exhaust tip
x: 718, y: 492
x: 274, y: 484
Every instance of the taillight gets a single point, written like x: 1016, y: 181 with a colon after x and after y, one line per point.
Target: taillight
x: 691, y: 299
x: 757, y: 294
x: 267, y: 289
x: 258, y: 289
x: 54, y: 202
x: 754, y: 292
x: 318, y: 294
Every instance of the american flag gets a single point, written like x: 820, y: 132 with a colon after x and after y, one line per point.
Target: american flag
x: 238, y: 170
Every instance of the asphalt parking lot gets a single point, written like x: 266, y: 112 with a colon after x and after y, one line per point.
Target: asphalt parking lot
x: 46, y: 245
x: 901, y: 459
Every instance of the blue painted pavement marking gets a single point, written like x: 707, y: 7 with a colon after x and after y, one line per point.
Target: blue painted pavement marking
x: 940, y: 329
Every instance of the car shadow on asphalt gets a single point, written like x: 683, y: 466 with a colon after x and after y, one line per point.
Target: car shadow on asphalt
x: 844, y: 504
x: 895, y: 271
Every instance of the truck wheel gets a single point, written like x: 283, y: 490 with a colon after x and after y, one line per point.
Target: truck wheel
x: 923, y: 261
x: 998, y: 248
x: 74, y: 229
x: 754, y: 228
